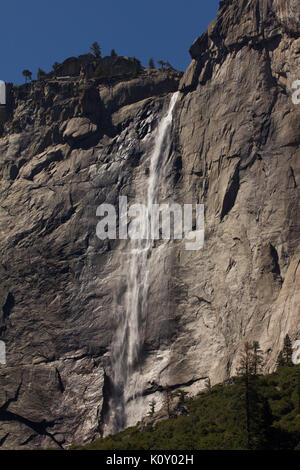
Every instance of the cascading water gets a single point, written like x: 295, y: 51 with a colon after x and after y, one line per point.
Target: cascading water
x: 127, y: 346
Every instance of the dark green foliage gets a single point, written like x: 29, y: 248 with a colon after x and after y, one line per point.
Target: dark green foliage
x: 27, y: 74
x: 298, y: 392
x: 254, y: 416
x: 287, y: 351
x: 216, y: 419
x: 182, y: 395
x: 96, y: 49
x: 285, y: 356
x: 40, y: 74
x: 280, y: 360
x: 257, y: 358
x: 151, y: 64
x: 113, y: 53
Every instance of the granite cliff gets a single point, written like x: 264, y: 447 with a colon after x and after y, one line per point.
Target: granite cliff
x: 73, y: 141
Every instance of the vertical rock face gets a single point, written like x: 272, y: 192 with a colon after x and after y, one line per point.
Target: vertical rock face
x: 239, y: 143
x: 72, y: 143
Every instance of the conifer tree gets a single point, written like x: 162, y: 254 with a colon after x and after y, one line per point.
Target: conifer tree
x: 256, y: 410
x: 151, y: 64
x: 245, y: 370
x: 257, y: 358
x: 181, y: 394
x: 27, y: 74
x: 286, y: 354
x: 280, y: 360
x: 96, y: 49
x: 152, y: 406
x: 161, y: 63
x: 40, y: 74
x: 287, y: 351
x: 168, y: 65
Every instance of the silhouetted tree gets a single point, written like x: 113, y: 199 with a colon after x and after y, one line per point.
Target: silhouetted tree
x: 168, y: 65
x: 151, y: 64
x: 165, y: 65
x: 27, y: 74
x: 40, y: 73
x: 96, y: 49
x: 161, y: 64
x: 113, y: 53
x: 257, y: 411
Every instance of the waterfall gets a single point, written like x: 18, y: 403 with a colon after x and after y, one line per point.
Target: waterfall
x: 127, y: 345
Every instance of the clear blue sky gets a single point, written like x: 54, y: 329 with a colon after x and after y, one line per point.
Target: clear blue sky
x: 37, y: 33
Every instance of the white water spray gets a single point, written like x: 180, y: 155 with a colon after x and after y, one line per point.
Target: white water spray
x: 127, y: 346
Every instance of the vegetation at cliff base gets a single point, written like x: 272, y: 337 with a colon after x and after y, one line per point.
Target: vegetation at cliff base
x: 217, y: 419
